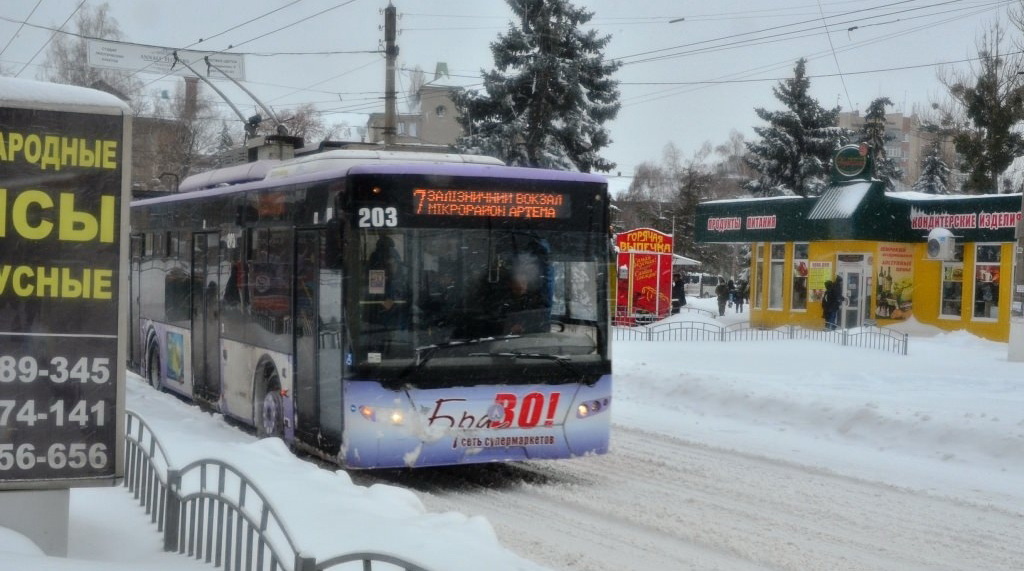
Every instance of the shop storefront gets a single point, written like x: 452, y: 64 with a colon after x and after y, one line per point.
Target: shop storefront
x: 878, y: 246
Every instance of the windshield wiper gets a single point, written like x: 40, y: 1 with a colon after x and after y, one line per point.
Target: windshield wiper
x: 522, y: 355
x: 563, y: 361
x: 425, y: 353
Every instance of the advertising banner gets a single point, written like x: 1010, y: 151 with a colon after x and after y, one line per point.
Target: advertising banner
x: 818, y: 273
x: 645, y: 272
x: 894, y: 295
x: 60, y: 239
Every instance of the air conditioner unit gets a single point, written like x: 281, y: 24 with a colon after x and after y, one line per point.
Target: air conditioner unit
x: 941, y: 244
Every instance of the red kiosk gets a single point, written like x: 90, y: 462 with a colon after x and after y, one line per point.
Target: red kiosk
x: 644, y: 267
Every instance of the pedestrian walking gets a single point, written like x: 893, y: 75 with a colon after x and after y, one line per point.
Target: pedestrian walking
x: 722, y: 293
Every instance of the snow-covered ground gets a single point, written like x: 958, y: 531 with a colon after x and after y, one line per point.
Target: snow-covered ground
x: 947, y: 420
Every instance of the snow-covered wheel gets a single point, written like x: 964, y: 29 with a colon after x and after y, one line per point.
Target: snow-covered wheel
x: 271, y: 421
x: 153, y: 367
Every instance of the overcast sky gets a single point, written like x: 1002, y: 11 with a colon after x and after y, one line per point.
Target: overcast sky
x: 685, y: 82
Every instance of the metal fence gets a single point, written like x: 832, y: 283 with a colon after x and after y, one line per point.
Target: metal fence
x: 209, y: 510
x: 870, y: 337
x: 641, y: 317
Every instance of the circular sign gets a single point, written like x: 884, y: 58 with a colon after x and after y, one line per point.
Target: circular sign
x: 851, y: 160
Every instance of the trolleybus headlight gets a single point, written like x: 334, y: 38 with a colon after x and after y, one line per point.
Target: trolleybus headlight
x: 396, y: 416
x: 591, y: 407
x: 368, y: 413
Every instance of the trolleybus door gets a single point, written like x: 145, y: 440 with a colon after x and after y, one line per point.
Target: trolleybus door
x: 206, y: 316
x: 317, y: 343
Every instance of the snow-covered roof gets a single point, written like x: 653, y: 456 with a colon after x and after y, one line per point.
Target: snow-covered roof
x: 29, y: 94
x: 753, y: 199
x: 840, y: 201
x: 917, y: 196
x: 678, y: 260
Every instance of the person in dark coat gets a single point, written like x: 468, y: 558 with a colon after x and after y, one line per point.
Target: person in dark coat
x: 678, y: 293
x: 741, y: 295
x: 722, y: 293
x: 831, y: 301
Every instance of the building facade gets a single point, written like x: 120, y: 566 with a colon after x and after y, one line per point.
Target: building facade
x: 878, y: 245
x: 436, y: 123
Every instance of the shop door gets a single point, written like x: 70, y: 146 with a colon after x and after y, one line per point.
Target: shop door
x: 855, y: 271
x: 206, y: 316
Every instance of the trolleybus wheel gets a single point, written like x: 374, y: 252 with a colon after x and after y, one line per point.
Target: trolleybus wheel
x: 272, y: 409
x: 153, y: 367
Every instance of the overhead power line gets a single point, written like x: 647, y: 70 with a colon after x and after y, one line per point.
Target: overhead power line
x: 860, y: 12
x: 817, y: 76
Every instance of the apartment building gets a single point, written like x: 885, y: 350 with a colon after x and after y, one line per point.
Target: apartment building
x: 909, y: 143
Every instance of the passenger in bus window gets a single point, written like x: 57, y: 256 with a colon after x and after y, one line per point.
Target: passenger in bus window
x: 438, y: 298
x: 386, y: 285
x: 519, y: 301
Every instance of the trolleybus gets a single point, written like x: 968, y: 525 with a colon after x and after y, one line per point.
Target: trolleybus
x: 383, y: 309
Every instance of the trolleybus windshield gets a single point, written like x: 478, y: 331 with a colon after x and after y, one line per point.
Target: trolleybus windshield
x: 463, y: 298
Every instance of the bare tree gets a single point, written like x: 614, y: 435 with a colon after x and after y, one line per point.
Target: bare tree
x: 303, y: 121
x: 189, y: 129
x: 68, y: 55
x: 732, y: 170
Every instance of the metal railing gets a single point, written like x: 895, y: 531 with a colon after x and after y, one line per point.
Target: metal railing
x: 211, y: 511
x: 640, y: 317
x: 869, y: 336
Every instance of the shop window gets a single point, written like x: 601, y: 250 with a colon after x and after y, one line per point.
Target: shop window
x: 778, y: 258
x: 800, y: 271
x: 986, y: 280
x: 952, y: 285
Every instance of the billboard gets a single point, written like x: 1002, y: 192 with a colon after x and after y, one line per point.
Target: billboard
x: 62, y: 197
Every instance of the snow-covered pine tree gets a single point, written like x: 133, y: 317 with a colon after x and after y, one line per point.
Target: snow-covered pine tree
x: 934, y: 177
x: 796, y: 147
x: 873, y: 133
x: 546, y: 101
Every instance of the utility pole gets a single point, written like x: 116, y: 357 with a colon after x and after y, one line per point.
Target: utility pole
x: 391, y: 52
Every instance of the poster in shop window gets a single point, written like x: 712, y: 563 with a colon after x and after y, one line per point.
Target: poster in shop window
x: 894, y: 289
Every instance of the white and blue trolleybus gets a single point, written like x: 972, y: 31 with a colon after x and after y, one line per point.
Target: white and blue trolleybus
x: 383, y: 309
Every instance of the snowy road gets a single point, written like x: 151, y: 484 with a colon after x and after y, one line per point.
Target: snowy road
x: 660, y: 503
